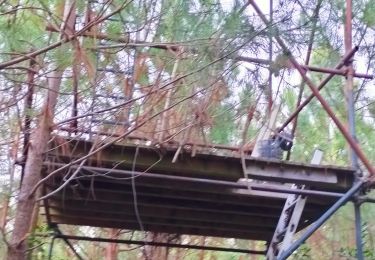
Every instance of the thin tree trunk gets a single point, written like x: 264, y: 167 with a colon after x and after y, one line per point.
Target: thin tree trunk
x: 28, y: 106
x: 202, y: 252
x: 165, y: 116
x: 5, y: 209
x: 111, y: 251
x: 37, y: 146
x: 154, y: 252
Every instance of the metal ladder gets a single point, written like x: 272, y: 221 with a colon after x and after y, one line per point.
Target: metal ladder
x: 289, y: 218
x: 287, y: 225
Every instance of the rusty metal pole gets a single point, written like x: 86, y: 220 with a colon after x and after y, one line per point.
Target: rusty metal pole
x: 307, y: 61
x: 316, y: 93
x: 347, y: 134
x: 341, y: 64
x: 351, y: 122
x: 343, y: 72
x: 349, y: 80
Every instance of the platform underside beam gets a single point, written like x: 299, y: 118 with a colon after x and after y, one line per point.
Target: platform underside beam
x: 153, y: 243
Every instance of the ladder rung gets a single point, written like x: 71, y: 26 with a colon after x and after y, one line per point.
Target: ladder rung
x: 291, y: 205
x: 281, y: 234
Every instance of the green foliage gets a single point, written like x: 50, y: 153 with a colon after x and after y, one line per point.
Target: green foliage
x: 290, y: 98
x: 22, y: 31
x: 37, y: 242
x: 114, y: 29
x: 207, y: 33
x: 368, y: 16
x: 224, y: 127
x: 302, y: 253
x: 63, y: 56
x: 350, y: 253
x: 325, y: 55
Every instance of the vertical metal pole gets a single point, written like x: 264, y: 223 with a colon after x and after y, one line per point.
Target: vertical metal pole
x: 351, y: 122
x: 349, y: 80
x: 51, y: 247
x: 358, y: 230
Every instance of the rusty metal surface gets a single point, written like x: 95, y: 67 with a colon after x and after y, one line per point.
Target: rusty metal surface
x: 207, y: 164
x: 105, y: 202
x: 199, y: 195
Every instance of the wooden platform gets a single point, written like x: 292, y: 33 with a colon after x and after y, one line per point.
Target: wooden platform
x: 199, y: 195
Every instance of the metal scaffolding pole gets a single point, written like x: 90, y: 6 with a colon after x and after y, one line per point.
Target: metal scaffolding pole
x: 358, y: 229
x: 349, y: 134
x: 161, y: 244
x: 50, y: 251
x: 353, y: 144
x: 351, y: 122
x: 349, y: 80
x: 341, y: 64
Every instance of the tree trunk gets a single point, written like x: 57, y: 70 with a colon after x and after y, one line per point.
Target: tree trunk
x: 5, y: 205
x: 38, y: 145
x: 34, y: 162
x: 202, y: 253
x: 155, y: 252
x: 111, y: 251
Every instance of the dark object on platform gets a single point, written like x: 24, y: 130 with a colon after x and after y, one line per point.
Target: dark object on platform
x: 285, y: 141
x: 270, y: 148
x: 274, y: 147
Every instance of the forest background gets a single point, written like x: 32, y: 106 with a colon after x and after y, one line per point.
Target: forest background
x: 200, y: 71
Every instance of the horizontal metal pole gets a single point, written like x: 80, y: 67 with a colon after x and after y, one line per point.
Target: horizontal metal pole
x: 228, y: 184
x: 311, y: 229
x: 368, y: 200
x: 161, y: 244
x: 298, y: 192
x: 315, y: 90
x: 342, y: 72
